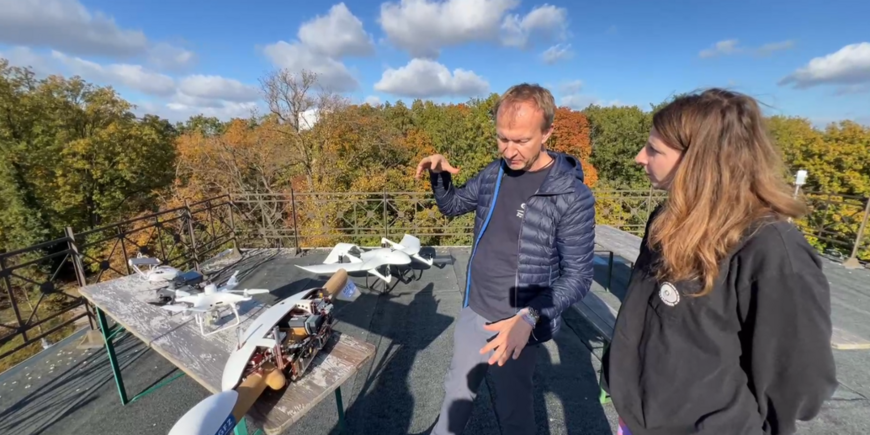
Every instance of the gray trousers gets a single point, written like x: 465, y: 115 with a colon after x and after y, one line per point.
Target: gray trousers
x: 514, y: 401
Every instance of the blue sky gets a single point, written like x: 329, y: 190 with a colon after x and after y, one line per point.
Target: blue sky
x: 177, y: 58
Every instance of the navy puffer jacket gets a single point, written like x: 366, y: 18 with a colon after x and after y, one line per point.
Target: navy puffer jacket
x: 556, y: 239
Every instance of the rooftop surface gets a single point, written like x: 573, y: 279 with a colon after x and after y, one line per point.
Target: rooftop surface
x: 68, y: 390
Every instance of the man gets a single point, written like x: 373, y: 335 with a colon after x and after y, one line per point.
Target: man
x: 531, y: 259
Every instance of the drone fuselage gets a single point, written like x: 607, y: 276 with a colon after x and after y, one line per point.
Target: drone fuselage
x: 382, y: 257
x: 287, y: 335
x: 212, y: 301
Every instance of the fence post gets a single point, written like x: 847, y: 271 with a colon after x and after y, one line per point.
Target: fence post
x: 189, y: 218
x: 295, y: 227
x: 230, y: 206
x: 77, y: 259
x: 386, y: 221
x: 6, y: 273
x: 79, y: 269
x: 852, y: 262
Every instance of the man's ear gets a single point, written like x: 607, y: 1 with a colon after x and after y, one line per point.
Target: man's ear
x: 547, y: 134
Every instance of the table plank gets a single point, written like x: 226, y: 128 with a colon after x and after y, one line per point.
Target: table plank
x: 177, y: 338
x: 621, y: 243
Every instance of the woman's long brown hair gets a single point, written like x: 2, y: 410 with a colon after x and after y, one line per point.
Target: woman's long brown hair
x: 730, y: 176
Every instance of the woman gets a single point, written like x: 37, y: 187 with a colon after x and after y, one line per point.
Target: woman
x: 725, y: 328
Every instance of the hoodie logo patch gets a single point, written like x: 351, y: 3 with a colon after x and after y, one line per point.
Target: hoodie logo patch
x: 669, y: 294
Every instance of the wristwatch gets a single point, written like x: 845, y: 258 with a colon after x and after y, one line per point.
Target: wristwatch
x: 531, y: 315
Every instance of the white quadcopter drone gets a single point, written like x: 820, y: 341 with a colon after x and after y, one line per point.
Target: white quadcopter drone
x: 352, y: 258
x: 154, y: 272
x: 209, y: 303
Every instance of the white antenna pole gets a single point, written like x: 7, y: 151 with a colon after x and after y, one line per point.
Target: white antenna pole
x: 799, y: 180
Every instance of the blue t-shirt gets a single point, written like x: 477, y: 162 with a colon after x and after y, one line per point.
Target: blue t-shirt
x: 494, y: 267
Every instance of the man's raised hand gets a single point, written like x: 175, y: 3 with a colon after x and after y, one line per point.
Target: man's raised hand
x: 435, y: 163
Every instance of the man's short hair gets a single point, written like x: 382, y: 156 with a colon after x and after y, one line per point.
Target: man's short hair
x: 529, y: 93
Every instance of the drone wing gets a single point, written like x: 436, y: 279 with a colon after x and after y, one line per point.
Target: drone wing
x: 328, y: 269
x: 409, y: 245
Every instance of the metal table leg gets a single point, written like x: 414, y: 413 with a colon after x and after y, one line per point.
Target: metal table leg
x: 340, y: 405
x: 109, y: 338
x: 610, y: 272
x: 113, y: 359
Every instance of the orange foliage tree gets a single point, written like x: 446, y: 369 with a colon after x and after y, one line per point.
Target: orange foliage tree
x: 571, y: 136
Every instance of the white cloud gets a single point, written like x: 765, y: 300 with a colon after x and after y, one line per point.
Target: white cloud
x: 848, y: 67
x: 216, y: 87
x: 176, y: 99
x: 295, y: 57
x: 180, y: 112
x: 323, y: 41
x: 67, y: 26
x: 556, y: 53
x: 572, y: 87
x: 581, y: 101
x: 169, y: 57
x: 722, y: 47
x: 25, y: 57
x: 423, y: 78
x: 338, y: 34
x: 132, y: 76
x: 547, y: 21
x: 731, y: 46
x: 423, y: 27
x: 372, y: 100
x: 769, y: 48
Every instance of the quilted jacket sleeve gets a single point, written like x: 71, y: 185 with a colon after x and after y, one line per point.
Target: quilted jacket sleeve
x: 454, y: 200
x: 575, y: 239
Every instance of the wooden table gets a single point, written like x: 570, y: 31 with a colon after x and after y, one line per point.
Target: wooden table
x: 177, y: 338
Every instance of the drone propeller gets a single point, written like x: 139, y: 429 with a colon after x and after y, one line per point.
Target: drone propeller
x: 180, y: 308
x: 252, y: 291
x: 336, y: 282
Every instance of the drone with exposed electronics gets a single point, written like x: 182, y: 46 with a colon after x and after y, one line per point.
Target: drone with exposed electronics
x: 206, y: 306
x: 277, y: 347
x: 352, y: 258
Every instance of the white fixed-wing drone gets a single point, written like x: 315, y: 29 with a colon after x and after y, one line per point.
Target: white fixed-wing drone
x: 352, y: 258
x: 212, y: 300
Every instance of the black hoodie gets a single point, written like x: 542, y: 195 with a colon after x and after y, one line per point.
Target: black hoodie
x: 752, y: 357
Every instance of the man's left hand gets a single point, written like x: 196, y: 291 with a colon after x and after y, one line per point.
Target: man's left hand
x: 513, y: 334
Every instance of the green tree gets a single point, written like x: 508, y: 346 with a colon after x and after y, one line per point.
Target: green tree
x: 617, y: 134
x: 73, y: 154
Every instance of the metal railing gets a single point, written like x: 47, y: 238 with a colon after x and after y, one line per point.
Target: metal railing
x: 45, y: 299
x: 41, y: 282
x: 835, y: 224
x: 39, y: 299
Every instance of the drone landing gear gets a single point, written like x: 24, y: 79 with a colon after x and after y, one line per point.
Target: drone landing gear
x: 382, y: 278
x: 211, y: 317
